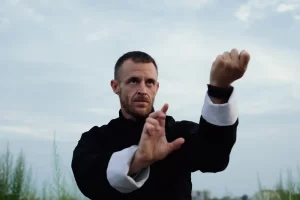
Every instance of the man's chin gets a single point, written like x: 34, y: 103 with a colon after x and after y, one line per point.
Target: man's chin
x: 142, y: 112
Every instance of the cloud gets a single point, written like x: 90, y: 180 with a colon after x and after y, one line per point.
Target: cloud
x: 243, y: 13
x: 32, y: 14
x: 73, y: 62
x: 44, y: 125
x: 297, y: 17
x: 190, y: 4
x: 286, y: 7
x: 184, y: 52
x: 16, y: 10
x: 23, y: 131
x: 102, y: 111
x: 97, y: 36
x: 4, y: 21
x: 172, y: 5
x: 253, y: 10
x: 191, y: 53
x: 13, y: 2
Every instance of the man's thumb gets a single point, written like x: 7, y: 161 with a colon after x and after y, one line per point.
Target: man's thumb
x: 165, y: 108
x: 176, y: 144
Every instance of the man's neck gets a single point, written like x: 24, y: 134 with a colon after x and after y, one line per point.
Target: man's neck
x: 131, y: 117
x: 126, y: 115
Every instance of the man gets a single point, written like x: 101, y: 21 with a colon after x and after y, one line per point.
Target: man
x: 145, y: 154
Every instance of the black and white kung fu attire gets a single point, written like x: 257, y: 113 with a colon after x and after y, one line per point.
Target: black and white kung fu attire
x: 103, y: 155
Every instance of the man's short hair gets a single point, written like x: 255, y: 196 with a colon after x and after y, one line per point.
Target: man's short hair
x: 135, y: 56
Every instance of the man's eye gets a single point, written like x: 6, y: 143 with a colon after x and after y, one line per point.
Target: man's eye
x: 150, y: 82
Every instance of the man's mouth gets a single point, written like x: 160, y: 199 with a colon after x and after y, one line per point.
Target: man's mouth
x: 141, y: 101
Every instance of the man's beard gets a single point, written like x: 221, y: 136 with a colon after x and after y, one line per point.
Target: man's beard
x: 126, y: 104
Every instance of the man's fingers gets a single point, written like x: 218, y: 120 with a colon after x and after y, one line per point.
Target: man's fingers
x: 234, y: 54
x: 153, y: 122
x: 160, y: 116
x: 160, y: 113
x: 164, y: 110
x: 244, y: 58
x: 226, y: 55
x: 149, y: 128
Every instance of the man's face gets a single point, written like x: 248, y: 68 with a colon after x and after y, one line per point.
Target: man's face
x: 137, y: 87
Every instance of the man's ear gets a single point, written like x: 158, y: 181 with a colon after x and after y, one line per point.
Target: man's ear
x: 157, y: 86
x: 115, y: 86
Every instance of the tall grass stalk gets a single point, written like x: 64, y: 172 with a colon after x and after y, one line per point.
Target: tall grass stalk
x: 15, y: 178
x: 17, y: 183
x: 283, y: 190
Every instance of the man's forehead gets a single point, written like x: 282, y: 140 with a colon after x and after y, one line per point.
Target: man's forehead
x: 130, y: 68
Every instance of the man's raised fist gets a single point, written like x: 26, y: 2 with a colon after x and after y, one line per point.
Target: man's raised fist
x: 229, y: 67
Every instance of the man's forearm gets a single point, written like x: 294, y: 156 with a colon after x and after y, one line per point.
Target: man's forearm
x: 137, y: 164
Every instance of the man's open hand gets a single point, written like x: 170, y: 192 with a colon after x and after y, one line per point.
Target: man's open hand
x: 229, y: 67
x: 153, y: 145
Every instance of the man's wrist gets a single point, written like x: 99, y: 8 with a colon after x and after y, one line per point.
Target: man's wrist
x: 137, y: 164
x: 219, y: 95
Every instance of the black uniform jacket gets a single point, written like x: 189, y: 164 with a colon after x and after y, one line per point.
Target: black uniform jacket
x: 207, y: 148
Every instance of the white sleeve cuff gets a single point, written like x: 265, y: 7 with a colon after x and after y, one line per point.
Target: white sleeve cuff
x: 117, y: 171
x: 220, y: 114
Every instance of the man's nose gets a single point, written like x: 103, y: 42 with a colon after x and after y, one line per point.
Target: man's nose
x: 142, y: 89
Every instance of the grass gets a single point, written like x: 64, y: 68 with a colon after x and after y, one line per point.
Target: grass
x: 284, y: 190
x: 16, y: 182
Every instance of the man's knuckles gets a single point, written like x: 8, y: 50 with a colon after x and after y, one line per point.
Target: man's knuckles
x: 149, y: 126
x: 227, y: 63
x: 233, y: 55
x: 152, y: 121
x: 219, y: 62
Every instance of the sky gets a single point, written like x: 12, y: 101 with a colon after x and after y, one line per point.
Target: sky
x: 57, y: 59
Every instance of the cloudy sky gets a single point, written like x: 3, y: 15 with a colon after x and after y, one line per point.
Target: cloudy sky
x: 57, y: 58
